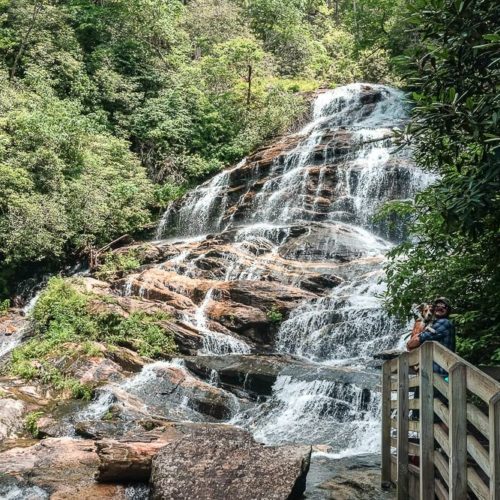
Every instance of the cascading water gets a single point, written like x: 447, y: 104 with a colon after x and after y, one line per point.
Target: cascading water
x: 346, y: 327
x: 315, y: 203
x: 216, y: 342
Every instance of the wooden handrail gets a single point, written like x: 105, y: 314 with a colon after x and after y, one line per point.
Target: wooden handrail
x: 438, y: 410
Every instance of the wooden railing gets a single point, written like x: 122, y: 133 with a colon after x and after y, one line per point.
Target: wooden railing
x: 440, y: 434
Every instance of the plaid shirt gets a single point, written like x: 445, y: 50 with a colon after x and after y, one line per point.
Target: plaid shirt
x: 444, y: 333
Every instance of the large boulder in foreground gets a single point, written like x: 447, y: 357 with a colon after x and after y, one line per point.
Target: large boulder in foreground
x: 221, y: 462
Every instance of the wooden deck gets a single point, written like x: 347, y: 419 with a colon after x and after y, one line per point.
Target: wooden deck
x: 440, y: 438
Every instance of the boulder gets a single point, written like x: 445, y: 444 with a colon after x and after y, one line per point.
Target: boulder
x: 252, y: 373
x: 352, y: 478
x: 221, y: 462
x: 62, y: 468
x: 172, y: 385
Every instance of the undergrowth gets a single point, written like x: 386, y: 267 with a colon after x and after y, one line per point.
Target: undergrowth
x: 65, y: 325
x: 31, y: 423
x: 117, y: 265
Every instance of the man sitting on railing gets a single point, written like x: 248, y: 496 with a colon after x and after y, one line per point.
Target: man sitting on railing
x: 442, y: 329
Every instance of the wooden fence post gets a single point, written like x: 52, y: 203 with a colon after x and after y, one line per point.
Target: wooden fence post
x: 494, y: 418
x: 386, y: 424
x: 403, y: 409
x: 426, y: 421
x: 458, y: 431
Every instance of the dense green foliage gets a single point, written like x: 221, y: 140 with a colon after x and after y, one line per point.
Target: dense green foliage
x: 111, y: 109
x: 67, y: 320
x: 116, y: 265
x: 455, y: 70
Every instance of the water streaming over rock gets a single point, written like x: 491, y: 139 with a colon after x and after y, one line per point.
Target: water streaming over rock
x: 279, y: 256
x: 314, y: 202
x: 216, y: 342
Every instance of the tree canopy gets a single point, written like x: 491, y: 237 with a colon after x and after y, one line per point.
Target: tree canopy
x: 454, y: 71
x: 110, y: 109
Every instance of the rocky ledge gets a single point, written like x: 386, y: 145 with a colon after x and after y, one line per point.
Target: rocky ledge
x: 183, y: 461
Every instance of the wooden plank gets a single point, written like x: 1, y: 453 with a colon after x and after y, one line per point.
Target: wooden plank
x: 426, y: 422
x: 458, y: 431
x: 476, y: 484
x: 478, y: 382
x: 441, y: 464
x: 494, y: 418
x: 440, y: 490
x: 413, y: 448
x: 444, y: 357
x: 441, y: 410
x: 478, y: 453
x: 414, y: 357
x: 441, y: 385
x: 413, y: 404
x: 442, y: 438
x: 481, y: 384
x: 478, y: 419
x: 412, y: 382
x: 402, y: 426
x: 413, y: 425
x: 393, y: 363
x: 386, y: 424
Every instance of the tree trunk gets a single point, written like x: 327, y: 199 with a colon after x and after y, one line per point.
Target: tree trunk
x: 125, y: 462
x: 249, y: 91
x: 24, y: 42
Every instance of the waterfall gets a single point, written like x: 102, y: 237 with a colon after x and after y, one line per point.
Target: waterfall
x: 344, y: 416
x: 346, y: 327
x: 314, y: 204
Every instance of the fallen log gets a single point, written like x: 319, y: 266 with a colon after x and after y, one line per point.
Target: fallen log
x: 130, y: 461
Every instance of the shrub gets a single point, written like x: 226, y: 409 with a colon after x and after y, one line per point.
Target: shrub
x: 118, y: 264
x: 4, y: 307
x: 274, y: 315
x: 63, y: 317
x: 31, y: 423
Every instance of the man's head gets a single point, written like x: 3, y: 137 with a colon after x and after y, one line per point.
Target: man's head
x: 442, y: 307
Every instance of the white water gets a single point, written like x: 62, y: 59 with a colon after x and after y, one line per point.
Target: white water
x: 346, y: 327
x: 8, y: 343
x: 320, y: 411
x: 344, y: 167
x: 215, y: 342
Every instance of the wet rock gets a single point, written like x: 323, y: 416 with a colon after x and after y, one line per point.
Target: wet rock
x: 263, y: 295
x: 127, y: 359
x: 255, y: 374
x: 178, y: 386
x: 354, y: 479
x: 52, y: 426
x: 11, y: 412
x: 187, y: 338
x: 225, y: 462
x: 332, y: 242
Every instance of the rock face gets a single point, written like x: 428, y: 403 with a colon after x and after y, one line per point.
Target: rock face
x: 270, y: 288
x: 62, y: 468
x: 11, y: 411
x: 217, y: 463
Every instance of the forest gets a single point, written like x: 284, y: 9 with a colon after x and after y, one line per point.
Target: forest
x: 111, y: 109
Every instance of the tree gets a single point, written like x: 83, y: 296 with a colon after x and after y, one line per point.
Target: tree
x: 455, y: 133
